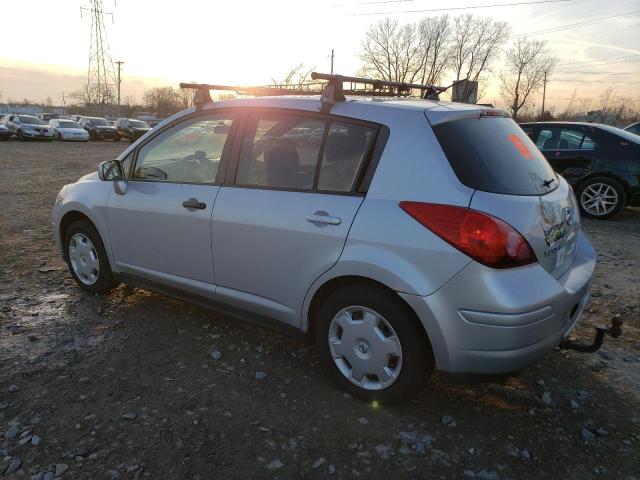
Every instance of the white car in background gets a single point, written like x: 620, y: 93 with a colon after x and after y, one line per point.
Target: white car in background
x: 68, y: 130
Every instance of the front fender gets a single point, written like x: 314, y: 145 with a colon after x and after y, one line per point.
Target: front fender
x: 90, y: 199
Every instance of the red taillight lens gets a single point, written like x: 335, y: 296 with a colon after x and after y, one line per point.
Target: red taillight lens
x: 484, y: 238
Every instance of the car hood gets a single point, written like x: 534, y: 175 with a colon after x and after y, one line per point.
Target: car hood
x: 89, y: 177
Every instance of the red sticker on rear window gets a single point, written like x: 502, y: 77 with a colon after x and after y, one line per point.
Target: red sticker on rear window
x: 522, y: 148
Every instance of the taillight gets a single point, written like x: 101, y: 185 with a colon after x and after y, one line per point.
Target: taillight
x: 483, y: 237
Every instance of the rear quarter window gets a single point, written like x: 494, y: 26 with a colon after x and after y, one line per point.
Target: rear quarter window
x: 494, y: 155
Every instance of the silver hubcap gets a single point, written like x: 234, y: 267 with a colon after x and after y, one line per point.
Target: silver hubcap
x: 365, y: 348
x: 599, y: 199
x: 84, y: 259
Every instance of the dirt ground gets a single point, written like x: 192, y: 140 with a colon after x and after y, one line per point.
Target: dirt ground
x: 124, y: 385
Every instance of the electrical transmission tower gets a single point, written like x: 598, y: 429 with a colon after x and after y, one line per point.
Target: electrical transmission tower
x: 101, y: 76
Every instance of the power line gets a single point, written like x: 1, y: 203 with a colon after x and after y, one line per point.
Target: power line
x: 602, y: 60
x: 469, y: 7
x: 570, y: 26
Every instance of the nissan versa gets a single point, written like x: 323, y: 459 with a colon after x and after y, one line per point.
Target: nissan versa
x: 402, y: 236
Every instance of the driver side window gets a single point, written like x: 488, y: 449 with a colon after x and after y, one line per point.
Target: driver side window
x: 189, y: 152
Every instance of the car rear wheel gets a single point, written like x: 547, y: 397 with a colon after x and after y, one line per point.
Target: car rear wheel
x: 371, y: 344
x: 87, y: 258
x: 601, y: 197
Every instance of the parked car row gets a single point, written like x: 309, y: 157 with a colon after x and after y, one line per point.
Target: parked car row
x: 77, y: 127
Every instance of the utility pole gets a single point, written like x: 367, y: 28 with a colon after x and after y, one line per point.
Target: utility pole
x: 544, y: 95
x: 119, y: 63
x: 332, y: 57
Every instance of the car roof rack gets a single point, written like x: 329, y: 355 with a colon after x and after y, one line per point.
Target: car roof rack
x: 331, y: 92
x: 202, y: 96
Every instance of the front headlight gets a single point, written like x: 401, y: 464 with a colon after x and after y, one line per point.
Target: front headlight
x: 60, y: 196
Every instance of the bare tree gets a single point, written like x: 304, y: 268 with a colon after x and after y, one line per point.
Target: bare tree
x: 476, y: 44
x: 297, y: 76
x: 392, y: 52
x: 163, y: 101
x: 569, y: 111
x: 527, y: 63
x: 434, y: 34
x: 83, y: 96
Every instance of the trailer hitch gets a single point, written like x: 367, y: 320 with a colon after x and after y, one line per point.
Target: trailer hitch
x: 615, y: 330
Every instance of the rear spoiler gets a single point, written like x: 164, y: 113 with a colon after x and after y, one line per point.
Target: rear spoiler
x: 444, y: 113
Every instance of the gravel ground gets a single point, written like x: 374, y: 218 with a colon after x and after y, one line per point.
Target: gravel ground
x: 125, y: 385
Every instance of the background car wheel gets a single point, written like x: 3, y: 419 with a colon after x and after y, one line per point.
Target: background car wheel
x: 87, y: 258
x: 372, y: 345
x: 20, y: 136
x: 59, y: 136
x: 601, y: 197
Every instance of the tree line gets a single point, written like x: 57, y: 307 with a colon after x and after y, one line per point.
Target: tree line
x: 465, y: 46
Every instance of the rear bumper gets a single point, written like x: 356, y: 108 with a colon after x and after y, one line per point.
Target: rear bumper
x: 487, y: 321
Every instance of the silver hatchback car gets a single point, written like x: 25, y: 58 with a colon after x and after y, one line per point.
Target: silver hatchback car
x: 402, y: 236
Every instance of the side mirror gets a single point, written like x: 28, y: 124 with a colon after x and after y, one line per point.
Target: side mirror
x: 110, y: 171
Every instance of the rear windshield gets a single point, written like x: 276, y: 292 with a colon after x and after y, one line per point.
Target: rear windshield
x: 494, y: 155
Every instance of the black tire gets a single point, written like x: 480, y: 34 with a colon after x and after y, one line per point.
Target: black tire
x: 117, y: 139
x: 417, y: 356
x: 20, y: 136
x: 105, y: 281
x: 582, y: 195
x: 59, y: 136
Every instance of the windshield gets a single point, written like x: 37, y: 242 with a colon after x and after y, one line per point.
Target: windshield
x: 99, y: 122
x: 138, y: 124
x: 629, y: 136
x: 68, y: 124
x: 30, y: 120
x: 495, y: 155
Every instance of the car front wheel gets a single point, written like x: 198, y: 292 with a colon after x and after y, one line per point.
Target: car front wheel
x: 372, y: 345
x: 87, y: 258
x: 601, y: 197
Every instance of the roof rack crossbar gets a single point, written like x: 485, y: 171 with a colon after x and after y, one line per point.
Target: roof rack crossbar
x: 203, y: 96
x: 330, y: 93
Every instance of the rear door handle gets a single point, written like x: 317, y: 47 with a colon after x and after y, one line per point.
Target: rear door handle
x: 323, y: 217
x: 194, y: 204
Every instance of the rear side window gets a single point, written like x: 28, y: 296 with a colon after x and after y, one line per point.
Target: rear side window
x: 302, y: 153
x: 344, y: 153
x: 280, y: 151
x: 495, y: 155
x: 561, y: 138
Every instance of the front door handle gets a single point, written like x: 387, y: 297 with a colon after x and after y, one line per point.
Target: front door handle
x: 194, y: 204
x: 323, y: 217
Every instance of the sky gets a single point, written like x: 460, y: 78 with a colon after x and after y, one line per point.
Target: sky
x: 46, y: 43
